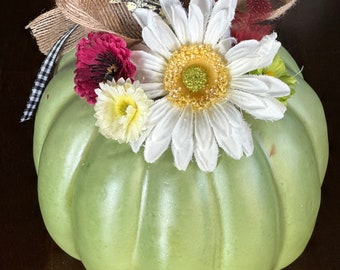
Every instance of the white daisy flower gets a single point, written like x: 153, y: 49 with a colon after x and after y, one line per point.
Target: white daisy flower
x: 122, y: 108
x: 200, y: 82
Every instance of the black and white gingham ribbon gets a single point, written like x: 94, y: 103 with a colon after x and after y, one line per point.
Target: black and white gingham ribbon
x: 42, y: 77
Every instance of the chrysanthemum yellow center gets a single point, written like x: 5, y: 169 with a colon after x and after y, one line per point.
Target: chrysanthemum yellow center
x: 196, y: 75
x: 123, y: 103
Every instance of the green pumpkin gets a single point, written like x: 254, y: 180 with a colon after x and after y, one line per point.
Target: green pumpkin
x: 106, y: 206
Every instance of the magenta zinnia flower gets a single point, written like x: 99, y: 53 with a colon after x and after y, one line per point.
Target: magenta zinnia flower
x: 100, y: 57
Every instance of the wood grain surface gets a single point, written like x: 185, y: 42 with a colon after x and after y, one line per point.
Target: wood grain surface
x: 310, y: 31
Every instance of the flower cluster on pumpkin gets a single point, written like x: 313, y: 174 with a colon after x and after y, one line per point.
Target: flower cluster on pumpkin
x: 188, y: 83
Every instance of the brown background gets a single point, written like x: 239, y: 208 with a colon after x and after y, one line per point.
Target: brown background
x: 310, y: 32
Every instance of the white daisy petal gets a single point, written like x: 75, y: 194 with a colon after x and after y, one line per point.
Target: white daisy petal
x: 226, y: 136
x: 141, y: 15
x: 216, y: 28
x: 196, y: 24
x: 182, y: 145
x: 250, y: 84
x: 145, y: 60
x: 154, y: 90
x: 229, y: 5
x: 148, y: 75
x: 261, y: 85
x: 136, y: 145
x: 154, y: 43
x: 249, y: 55
x: 177, y: 16
x: 235, y: 118
x: 206, y: 149
x: 159, y: 139
x: 225, y: 44
x: 246, y: 139
x: 241, y: 126
x: 265, y: 108
x: 277, y: 88
x: 205, y: 6
x: 241, y: 50
x: 163, y: 32
x: 157, y: 112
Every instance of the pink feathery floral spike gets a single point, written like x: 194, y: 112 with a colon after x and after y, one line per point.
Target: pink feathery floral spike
x: 249, y: 24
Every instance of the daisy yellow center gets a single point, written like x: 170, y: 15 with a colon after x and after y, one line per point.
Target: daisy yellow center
x: 194, y: 78
x: 196, y: 75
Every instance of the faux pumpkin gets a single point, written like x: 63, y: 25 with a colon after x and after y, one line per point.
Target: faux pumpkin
x: 104, y: 205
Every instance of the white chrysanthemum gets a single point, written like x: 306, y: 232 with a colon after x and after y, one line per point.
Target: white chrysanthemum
x: 122, y: 108
x: 200, y: 81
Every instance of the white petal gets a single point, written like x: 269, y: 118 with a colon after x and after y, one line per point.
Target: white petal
x: 247, y: 139
x: 147, y: 75
x: 229, y: 5
x: 277, y: 88
x: 242, y: 129
x: 141, y: 15
x: 176, y: 15
x: 261, y: 85
x: 250, y: 84
x: 216, y: 28
x: 205, y: 6
x: 235, y: 118
x: 154, y: 43
x: 136, y: 145
x: 206, y: 149
x: 158, y: 111
x: 225, y: 44
x: 249, y: 55
x: 242, y: 50
x: 226, y: 135
x: 196, y: 24
x: 159, y: 139
x: 154, y: 90
x: 182, y: 145
x: 163, y: 32
x: 265, y: 108
x: 145, y: 60
x: 150, y: 68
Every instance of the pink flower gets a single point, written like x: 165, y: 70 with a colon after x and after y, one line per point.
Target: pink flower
x: 100, y: 57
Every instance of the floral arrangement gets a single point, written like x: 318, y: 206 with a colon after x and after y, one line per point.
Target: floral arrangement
x: 187, y: 80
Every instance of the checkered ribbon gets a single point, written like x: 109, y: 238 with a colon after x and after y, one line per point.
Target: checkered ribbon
x: 43, y: 75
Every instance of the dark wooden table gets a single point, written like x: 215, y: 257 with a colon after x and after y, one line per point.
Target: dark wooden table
x: 311, y: 32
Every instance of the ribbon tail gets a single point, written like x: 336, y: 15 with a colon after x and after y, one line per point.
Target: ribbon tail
x: 43, y: 75
x: 282, y: 10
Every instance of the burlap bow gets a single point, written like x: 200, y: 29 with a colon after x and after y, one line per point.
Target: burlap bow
x: 100, y: 15
x: 97, y: 15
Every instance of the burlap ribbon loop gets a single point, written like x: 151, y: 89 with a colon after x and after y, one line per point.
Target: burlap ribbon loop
x: 50, y: 26
x: 99, y: 15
